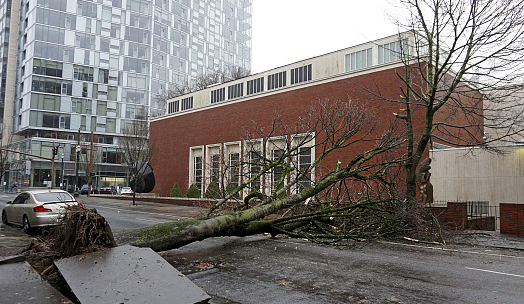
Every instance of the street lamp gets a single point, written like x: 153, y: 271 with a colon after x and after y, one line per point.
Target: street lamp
x: 62, y: 175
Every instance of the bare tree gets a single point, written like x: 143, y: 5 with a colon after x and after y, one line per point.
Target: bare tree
x: 461, y: 50
x: 137, y: 152
x: 317, y: 197
x: 201, y: 82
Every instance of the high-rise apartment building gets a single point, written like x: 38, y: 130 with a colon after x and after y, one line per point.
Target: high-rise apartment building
x: 73, y: 67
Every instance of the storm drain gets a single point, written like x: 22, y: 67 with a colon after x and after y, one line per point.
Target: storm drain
x: 128, y: 274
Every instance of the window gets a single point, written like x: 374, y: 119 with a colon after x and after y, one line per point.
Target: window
x: 187, y: 103
x: 197, y: 171
x: 173, y: 107
x: 304, y: 162
x: 234, y: 169
x: 276, y: 80
x: 218, y: 95
x: 277, y: 170
x: 214, y: 174
x: 393, y: 51
x: 255, y: 86
x: 48, y: 68
x: 359, y: 60
x: 254, y: 169
x: 235, y: 91
x: 301, y: 74
x: 83, y: 73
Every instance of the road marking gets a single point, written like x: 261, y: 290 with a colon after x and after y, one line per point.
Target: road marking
x: 455, y: 250
x: 496, y: 272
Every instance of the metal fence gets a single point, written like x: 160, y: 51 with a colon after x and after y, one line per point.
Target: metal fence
x: 482, y: 216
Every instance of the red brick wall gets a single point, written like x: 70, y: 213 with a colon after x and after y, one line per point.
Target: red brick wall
x: 453, y: 216
x: 512, y: 218
x: 227, y: 123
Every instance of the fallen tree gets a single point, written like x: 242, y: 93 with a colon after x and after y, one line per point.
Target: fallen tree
x: 352, y: 201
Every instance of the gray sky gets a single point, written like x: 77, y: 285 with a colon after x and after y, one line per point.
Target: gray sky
x: 286, y: 31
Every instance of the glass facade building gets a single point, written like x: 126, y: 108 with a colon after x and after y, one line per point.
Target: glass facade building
x: 72, y: 67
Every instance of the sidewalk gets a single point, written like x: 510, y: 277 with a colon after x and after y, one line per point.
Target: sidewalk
x: 492, y: 239
x: 12, y: 241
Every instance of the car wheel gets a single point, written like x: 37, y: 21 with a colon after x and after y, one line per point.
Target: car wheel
x: 26, y: 227
x: 4, y: 218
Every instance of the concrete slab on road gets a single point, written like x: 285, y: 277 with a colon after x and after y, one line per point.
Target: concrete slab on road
x: 128, y: 274
x: 19, y: 283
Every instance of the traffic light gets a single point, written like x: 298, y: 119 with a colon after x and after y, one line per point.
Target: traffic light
x: 55, y: 151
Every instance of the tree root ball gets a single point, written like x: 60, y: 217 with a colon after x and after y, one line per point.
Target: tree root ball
x: 79, y: 231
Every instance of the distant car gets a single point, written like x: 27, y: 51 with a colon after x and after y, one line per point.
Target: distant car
x: 108, y: 190
x: 126, y: 190
x: 38, y: 208
x: 85, y: 189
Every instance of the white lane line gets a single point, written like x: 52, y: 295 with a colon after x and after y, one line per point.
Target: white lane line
x: 454, y: 250
x: 496, y: 272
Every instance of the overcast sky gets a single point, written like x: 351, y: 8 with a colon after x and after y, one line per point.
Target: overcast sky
x: 286, y: 31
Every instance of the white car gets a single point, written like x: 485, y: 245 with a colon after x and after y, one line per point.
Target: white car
x: 126, y: 190
x: 38, y: 208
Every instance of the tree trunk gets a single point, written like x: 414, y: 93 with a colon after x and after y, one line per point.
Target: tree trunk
x: 172, y: 235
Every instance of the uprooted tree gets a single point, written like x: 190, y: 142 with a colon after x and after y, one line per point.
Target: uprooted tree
x: 461, y: 52
x: 299, y: 189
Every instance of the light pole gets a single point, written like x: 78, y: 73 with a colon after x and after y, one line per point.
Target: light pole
x: 62, y: 175
x: 76, y: 163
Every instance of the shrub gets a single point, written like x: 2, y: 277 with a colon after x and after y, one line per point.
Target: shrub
x: 212, y: 191
x: 229, y: 190
x: 193, y: 192
x: 176, y: 192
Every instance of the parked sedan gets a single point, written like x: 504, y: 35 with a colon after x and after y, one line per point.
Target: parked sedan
x: 85, y: 189
x: 38, y: 208
x: 108, y: 190
x: 126, y: 190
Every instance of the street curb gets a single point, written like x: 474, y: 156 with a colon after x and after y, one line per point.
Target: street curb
x: 12, y: 259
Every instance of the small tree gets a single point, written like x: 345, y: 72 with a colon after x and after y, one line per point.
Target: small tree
x: 212, y: 190
x: 175, y: 192
x: 137, y: 151
x: 193, y: 192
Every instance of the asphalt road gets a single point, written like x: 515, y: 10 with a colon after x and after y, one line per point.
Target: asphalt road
x: 264, y: 270
x: 260, y: 269
x: 122, y: 215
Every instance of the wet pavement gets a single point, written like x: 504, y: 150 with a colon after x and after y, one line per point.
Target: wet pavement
x: 260, y: 269
x: 12, y: 241
x: 481, y: 267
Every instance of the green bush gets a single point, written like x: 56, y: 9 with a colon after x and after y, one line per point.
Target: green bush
x: 193, y: 192
x: 229, y: 190
x: 175, y: 192
x: 213, y: 190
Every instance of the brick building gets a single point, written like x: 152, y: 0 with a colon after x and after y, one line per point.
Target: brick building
x: 201, y: 126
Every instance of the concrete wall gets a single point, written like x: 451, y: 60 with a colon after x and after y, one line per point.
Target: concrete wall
x: 478, y: 175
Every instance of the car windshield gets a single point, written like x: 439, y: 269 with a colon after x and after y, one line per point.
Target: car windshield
x: 54, y: 197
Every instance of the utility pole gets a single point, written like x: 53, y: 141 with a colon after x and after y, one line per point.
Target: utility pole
x: 55, y: 152
x: 90, y: 167
x: 62, y: 175
x: 76, y: 163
